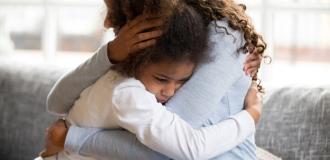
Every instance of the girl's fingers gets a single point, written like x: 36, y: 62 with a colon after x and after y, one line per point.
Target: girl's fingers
x: 252, y: 71
x: 249, y: 58
x: 252, y: 64
x: 142, y: 45
x: 146, y: 36
x: 252, y: 57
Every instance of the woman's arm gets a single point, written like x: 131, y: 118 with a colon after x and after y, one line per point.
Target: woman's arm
x: 104, y: 144
x: 62, y: 96
x: 137, y: 110
x: 127, y: 41
x: 69, y: 87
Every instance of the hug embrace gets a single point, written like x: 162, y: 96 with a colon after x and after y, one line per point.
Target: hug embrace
x: 177, y: 82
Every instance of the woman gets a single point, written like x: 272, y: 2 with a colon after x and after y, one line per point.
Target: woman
x: 203, y: 105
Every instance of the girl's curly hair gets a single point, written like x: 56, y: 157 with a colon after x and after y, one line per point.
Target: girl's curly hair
x: 213, y: 10
x: 185, y: 37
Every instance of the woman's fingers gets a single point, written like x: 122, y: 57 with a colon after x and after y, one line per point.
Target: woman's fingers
x: 146, y: 36
x: 140, y: 19
x: 133, y: 37
x: 147, y: 24
x: 142, y: 45
x: 55, y: 138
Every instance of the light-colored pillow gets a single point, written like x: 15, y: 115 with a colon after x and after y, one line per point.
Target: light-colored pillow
x: 265, y: 155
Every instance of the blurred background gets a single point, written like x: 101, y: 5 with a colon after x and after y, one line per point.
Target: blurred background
x: 40, y: 40
x: 66, y: 32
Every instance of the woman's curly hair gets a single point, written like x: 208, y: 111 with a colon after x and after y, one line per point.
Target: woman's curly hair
x: 185, y: 37
x: 119, y: 12
x: 213, y: 10
x: 210, y: 10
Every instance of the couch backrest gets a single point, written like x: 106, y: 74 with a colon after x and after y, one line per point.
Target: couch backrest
x: 295, y: 123
x: 23, y: 116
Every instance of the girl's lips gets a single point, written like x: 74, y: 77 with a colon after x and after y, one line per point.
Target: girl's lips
x: 161, y: 100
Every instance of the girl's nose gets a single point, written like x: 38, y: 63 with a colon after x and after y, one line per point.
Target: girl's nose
x: 169, y: 90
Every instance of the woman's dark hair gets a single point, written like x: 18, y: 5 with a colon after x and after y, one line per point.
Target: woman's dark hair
x: 185, y: 36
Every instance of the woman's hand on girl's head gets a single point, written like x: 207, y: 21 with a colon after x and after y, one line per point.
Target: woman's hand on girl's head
x: 131, y: 37
x: 252, y: 63
x: 253, y: 102
x: 55, y: 138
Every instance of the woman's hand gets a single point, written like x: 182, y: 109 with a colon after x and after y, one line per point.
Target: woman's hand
x: 253, y: 102
x: 55, y: 138
x: 132, y: 37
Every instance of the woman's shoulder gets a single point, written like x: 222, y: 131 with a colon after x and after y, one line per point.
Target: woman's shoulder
x: 222, y: 28
x: 221, y: 33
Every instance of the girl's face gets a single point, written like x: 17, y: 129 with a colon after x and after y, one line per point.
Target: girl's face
x: 164, y: 78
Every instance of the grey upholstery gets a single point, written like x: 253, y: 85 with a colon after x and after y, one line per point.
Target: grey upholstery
x: 296, y: 123
x: 23, y: 91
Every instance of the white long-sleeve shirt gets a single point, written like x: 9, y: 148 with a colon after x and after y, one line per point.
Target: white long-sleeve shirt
x: 115, y: 101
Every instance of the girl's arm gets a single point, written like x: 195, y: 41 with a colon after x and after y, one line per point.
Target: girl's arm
x: 137, y: 110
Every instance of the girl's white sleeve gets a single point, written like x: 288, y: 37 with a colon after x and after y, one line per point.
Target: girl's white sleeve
x: 137, y: 110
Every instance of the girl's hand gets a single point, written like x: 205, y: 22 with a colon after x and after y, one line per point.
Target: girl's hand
x: 252, y: 63
x: 132, y: 37
x: 55, y: 138
x: 253, y: 102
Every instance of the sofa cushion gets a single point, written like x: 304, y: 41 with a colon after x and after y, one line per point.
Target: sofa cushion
x: 295, y: 123
x: 23, y: 116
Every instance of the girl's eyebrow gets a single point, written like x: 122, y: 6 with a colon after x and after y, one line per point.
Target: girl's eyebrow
x: 163, y: 76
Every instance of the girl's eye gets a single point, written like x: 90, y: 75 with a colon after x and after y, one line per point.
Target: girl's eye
x: 161, y: 79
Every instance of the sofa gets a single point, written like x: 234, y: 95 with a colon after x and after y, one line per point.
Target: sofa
x: 294, y: 124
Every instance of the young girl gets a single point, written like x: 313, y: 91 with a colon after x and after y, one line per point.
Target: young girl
x: 188, y: 148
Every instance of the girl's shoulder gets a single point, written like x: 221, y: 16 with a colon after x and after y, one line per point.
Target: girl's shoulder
x: 124, y: 82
